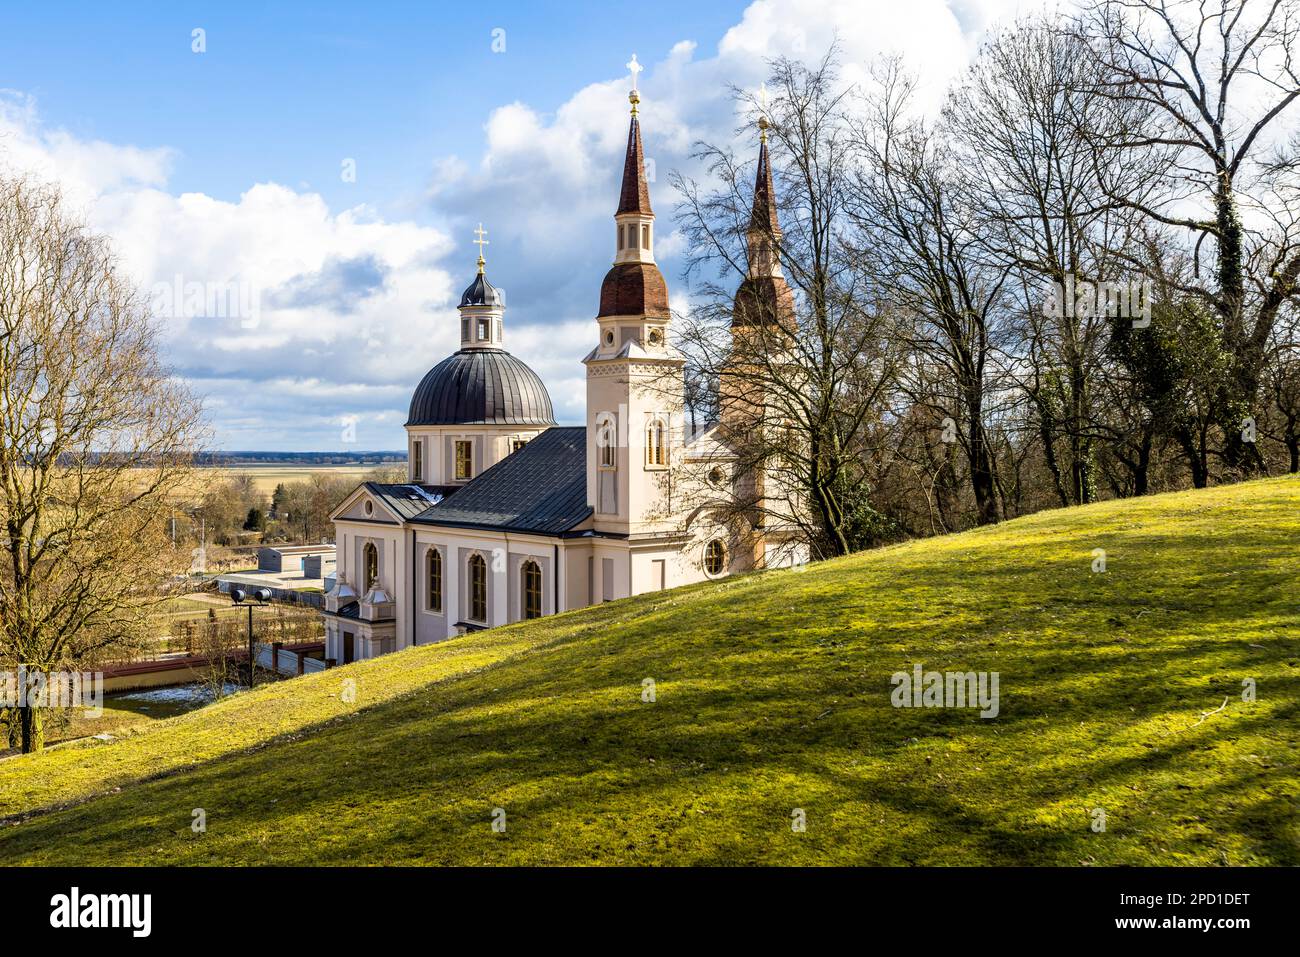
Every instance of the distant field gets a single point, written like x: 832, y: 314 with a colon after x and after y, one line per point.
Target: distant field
x: 267, y: 477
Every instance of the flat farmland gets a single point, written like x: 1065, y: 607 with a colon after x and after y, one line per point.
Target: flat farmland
x: 267, y: 477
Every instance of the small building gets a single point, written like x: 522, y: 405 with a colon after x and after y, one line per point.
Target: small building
x: 318, y: 566
x: 290, y: 559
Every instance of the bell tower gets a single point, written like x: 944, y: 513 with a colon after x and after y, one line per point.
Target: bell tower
x: 634, y: 383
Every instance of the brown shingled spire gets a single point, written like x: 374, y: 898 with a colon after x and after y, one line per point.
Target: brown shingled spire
x: 635, y: 197
x: 763, y: 216
x: 764, y: 296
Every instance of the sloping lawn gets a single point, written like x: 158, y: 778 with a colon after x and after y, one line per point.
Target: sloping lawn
x: 1120, y: 692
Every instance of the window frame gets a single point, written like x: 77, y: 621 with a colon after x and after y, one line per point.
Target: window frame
x: 433, y: 581
x: 606, y: 442
x: 468, y: 447
x: 417, y: 460
x: 656, y: 443
x: 369, y: 574
x: 721, y: 557
x: 530, y: 590
x: 478, y: 596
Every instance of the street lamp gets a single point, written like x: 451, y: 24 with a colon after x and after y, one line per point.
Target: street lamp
x: 261, y: 596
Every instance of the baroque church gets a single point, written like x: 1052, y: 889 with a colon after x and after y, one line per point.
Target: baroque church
x: 508, y: 516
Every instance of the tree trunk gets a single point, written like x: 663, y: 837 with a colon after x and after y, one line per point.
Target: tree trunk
x: 32, y: 724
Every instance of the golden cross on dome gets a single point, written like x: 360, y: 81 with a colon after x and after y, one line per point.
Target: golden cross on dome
x: 481, y: 242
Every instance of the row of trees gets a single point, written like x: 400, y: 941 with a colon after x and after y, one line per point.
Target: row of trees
x: 1076, y: 281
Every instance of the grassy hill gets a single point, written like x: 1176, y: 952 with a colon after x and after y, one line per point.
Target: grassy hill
x: 773, y: 693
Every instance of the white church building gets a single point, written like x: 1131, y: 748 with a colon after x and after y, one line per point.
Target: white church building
x: 507, y: 516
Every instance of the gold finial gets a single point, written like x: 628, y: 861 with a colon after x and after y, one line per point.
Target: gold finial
x: 480, y: 233
x: 762, y: 116
x: 634, y: 68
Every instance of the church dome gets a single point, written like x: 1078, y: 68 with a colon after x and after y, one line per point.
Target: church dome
x: 482, y: 293
x: 481, y: 387
x: 634, y: 289
x: 763, y: 300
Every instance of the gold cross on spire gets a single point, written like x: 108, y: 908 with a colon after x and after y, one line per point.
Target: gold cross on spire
x: 634, y: 68
x: 481, y: 242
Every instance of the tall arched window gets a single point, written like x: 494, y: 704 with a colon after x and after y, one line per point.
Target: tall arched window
x: 477, y: 588
x: 531, y: 573
x: 433, y: 579
x: 605, y: 441
x: 370, y: 561
x: 656, y: 446
x: 715, y: 557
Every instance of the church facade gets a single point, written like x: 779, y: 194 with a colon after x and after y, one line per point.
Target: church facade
x: 506, y: 515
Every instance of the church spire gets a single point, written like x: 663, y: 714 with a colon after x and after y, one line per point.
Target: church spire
x: 764, y: 296
x: 635, y: 195
x: 764, y: 231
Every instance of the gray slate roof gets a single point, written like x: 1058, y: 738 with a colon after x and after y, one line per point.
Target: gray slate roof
x: 408, y: 501
x: 542, y: 488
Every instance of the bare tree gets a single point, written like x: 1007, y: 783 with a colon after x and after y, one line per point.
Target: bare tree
x: 800, y: 364
x: 1025, y: 120
x: 920, y: 236
x: 96, y: 438
x: 1218, y: 79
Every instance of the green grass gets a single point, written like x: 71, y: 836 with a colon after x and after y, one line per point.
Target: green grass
x: 773, y: 693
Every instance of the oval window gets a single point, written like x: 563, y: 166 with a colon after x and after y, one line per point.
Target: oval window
x: 715, y: 557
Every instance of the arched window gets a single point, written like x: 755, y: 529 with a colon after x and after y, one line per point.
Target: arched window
x: 605, y: 441
x: 370, y: 561
x: 433, y: 579
x: 656, y: 447
x: 715, y: 557
x: 531, y: 590
x: 477, y: 588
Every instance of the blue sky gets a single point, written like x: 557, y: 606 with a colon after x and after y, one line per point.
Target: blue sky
x: 224, y: 168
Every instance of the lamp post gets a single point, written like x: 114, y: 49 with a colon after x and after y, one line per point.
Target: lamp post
x: 261, y: 596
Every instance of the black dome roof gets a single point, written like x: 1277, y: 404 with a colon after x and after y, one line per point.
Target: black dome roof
x: 481, y: 387
x: 482, y: 293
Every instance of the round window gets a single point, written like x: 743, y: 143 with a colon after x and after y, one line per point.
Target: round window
x: 715, y: 557
x: 656, y: 337
x: 609, y: 337
x: 717, y: 477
